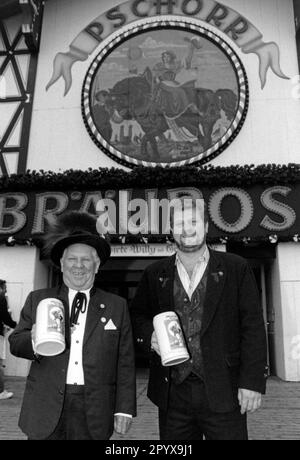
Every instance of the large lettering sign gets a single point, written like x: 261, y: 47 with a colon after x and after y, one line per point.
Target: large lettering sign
x: 237, y: 28
x: 256, y: 213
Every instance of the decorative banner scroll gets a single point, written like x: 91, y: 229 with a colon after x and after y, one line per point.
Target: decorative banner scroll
x: 245, y: 35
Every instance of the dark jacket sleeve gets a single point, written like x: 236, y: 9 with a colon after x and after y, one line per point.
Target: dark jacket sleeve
x: 5, y: 316
x: 253, y: 344
x: 20, y: 339
x: 142, y: 314
x: 126, y: 382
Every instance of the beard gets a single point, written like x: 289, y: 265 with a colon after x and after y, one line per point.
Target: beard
x: 183, y: 247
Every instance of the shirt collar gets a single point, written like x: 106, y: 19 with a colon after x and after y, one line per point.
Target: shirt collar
x: 203, y: 258
x: 73, y: 292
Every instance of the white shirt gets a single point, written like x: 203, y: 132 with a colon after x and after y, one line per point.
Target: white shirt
x: 190, y: 284
x: 75, y: 375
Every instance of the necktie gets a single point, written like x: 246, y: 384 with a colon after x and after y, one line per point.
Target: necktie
x: 79, y: 305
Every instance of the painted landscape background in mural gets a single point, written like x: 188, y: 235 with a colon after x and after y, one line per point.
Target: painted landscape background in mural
x: 164, y: 96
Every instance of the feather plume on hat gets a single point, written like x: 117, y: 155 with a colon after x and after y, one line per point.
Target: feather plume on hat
x: 74, y: 227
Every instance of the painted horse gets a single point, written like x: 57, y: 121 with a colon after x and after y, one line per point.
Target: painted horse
x: 134, y: 98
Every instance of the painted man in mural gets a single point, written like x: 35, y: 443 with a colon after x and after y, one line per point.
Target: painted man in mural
x: 87, y: 391
x: 170, y: 95
x: 216, y: 298
x: 102, y: 114
x: 175, y: 98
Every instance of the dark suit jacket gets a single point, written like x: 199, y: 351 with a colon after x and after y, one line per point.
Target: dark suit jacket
x: 5, y: 317
x: 233, y: 336
x: 108, y: 364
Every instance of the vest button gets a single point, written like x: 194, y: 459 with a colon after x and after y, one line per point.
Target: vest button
x: 186, y: 300
x: 166, y: 379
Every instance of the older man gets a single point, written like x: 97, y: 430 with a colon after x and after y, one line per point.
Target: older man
x: 88, y: 390
x: 216, y: 299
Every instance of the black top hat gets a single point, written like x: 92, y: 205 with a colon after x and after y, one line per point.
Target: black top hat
x: 72, y: 228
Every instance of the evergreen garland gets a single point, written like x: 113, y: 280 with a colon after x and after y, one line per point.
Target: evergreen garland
x: 158, y: 177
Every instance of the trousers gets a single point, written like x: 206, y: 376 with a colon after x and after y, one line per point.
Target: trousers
x: 190, y: 418
x: 72, y: 425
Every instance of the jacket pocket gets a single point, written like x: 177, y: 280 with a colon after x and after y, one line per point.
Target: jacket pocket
x: 110, y: 333
x: 111, y: 337
x: 233, y: 359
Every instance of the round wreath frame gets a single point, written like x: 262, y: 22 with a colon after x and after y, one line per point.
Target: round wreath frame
x: 179, y: 24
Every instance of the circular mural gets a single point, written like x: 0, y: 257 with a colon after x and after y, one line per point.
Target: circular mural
x: 168, y: 94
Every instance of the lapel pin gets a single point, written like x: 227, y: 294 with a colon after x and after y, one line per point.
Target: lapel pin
x: 163, y: 281
x: 216, y: 276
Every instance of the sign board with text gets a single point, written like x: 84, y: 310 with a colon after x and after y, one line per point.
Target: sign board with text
x: 234, y: 212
